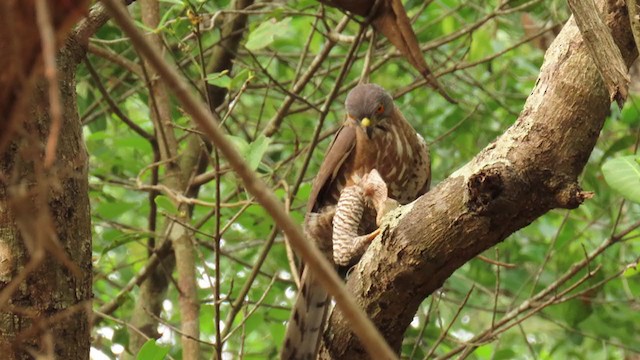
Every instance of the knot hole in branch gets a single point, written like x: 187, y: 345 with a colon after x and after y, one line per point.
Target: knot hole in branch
x: 483, y: 188
x: 571, y: 196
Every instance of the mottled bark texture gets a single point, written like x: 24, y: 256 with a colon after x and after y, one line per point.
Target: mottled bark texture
x: 45, y: 229
x: 532, y: 168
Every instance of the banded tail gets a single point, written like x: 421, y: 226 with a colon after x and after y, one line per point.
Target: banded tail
x: 306, y: 324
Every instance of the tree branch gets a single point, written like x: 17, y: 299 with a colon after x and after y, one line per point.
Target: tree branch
x: 603, y: 50
x: 531, y: 169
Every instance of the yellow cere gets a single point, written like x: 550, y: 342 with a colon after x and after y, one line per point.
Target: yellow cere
x: 365, y: 122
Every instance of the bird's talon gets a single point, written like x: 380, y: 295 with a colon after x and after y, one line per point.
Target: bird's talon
x: 373, y: 235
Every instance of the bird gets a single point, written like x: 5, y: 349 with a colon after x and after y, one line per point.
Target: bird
x: 375, y: 156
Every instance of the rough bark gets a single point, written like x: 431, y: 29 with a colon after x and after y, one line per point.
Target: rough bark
x: 532, y: 168
x: 603, y: 49
x: 45, y: 228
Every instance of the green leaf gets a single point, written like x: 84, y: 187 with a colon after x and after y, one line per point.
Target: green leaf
x: 256, y: 151
x: 131, y: 142
x: 266, y: 32
x: 111, y: 210
x: 97, y: 125
x: 173, y: 2
x: 623, y: 143
x: 166, y: 204
x: 223, y: 80
x: 575, y: 311
x: 631, y: 271
x: 121, y: 336
x: 241, y: 144
x: 630, y: 114
x: 114, y: 239
x: 623, y: 175
x: 152, y: 351
x: 480, y: 44
x: 484, y: 351
x: 504, y: 354
x: 219, y: 79
x: 206, y: 314
x: 240, y: 78
x: 448, y: 25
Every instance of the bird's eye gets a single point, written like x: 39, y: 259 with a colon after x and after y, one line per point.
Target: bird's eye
x: 380, y: 109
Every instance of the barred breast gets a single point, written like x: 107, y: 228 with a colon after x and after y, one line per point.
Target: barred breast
x: 405, y: 164
x: 400, y: 155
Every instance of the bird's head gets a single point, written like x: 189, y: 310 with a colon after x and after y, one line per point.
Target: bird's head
x: 370, y: 107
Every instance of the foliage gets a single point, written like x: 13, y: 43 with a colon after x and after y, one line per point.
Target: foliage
x: 151, y: 351
x: 623, y: 175
x: 489, y: 69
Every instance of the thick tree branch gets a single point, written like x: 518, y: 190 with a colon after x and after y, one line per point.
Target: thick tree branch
x: 602, y: 48
x: 531, y: 169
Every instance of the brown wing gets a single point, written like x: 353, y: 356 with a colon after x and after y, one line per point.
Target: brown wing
x: 341, y: 147
x: 427, y: 168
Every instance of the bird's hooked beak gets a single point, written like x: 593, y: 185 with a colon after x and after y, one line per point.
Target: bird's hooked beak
x: 366, y: 126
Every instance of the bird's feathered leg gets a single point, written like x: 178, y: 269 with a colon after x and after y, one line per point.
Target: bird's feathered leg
x: 347, y: 245
x: 371, y: 190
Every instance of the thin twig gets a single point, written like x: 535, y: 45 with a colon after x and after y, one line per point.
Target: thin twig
x: 530, y: 306
x: 112, y: 104
x: 444, y: 333
x: 274, y: 124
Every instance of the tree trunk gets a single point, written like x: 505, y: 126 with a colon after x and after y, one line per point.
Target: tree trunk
x: 45, y: 230
x: 192, y: 161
